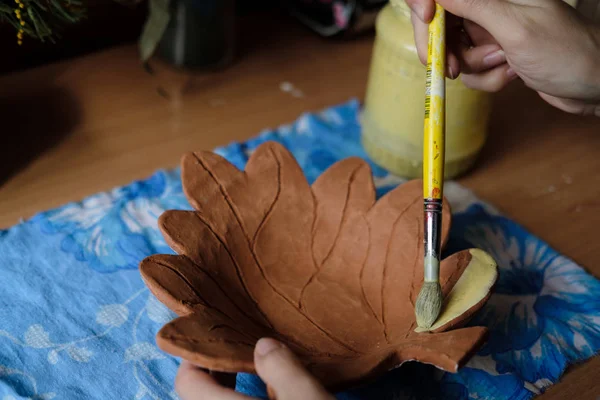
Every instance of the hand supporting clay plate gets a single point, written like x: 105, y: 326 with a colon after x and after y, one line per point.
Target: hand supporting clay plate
x: 325, y: 268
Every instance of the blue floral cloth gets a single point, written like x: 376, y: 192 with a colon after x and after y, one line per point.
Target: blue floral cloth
x: 77, y: 322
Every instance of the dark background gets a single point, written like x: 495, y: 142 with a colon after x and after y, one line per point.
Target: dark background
x: 107, y: 23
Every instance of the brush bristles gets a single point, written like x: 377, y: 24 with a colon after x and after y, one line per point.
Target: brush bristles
x: 429, y: 304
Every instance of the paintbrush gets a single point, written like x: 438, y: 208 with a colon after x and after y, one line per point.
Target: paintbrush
x: 429, y: 301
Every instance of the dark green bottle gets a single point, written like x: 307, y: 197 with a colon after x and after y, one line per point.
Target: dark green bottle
x: 200, y: 34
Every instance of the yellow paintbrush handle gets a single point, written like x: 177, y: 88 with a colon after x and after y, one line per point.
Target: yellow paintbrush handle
x: 435, y: 108
x: 429, y: 301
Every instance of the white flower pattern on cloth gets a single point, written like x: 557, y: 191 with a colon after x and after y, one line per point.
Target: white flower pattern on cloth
x: 30, y: 383
x: 74, y: 305
x: 544, y: 312
x: 111, y: 231
x: 113, y: 315
x: 36, y: 337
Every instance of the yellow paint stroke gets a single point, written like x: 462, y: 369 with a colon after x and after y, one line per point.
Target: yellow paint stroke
x: 473, y: 286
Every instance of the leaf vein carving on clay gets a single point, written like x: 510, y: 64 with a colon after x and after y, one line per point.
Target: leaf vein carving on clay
x: 183, y: 338
x: 343, y: 220
x: 250, y: 242
x: 263, y: 221
x: 386, y: 267
x: 362, y: 287
x: 188, y: 283
x: 326, y: 268
x: 231, y: 328
x: 319, y: 265
x: 255, y: 257
x: 238, y: 271
x: 216, y: 284
x: 312, y: 242
x: 225, y: 196
x: 362, y: 268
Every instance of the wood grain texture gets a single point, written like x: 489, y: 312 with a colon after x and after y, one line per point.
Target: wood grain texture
x: 101, y: 121
x: 97, y: 128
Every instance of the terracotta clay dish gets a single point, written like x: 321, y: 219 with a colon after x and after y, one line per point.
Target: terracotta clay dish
x: 324, y: 268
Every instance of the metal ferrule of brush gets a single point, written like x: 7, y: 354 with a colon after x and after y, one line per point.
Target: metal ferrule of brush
x: 432, y: 239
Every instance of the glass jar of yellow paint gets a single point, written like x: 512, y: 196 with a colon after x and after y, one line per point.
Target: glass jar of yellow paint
x: 394, y: 107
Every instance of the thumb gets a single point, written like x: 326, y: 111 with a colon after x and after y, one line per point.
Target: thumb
x: 284, y: 374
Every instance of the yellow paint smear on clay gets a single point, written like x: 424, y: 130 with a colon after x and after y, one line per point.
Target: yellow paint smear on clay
x: 473, y: 286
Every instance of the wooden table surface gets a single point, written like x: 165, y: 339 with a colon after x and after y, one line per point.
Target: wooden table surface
x: 75, y: 128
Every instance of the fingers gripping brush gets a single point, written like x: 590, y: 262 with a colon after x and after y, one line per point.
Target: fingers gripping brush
x: 429, y: 301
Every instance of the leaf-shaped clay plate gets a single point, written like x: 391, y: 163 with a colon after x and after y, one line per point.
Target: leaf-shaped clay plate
x: 325, y: 268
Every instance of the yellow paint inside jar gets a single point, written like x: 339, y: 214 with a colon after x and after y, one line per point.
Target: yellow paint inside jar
x: 393, y: 116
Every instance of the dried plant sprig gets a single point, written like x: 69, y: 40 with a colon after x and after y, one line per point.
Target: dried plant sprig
x: 40, y: 19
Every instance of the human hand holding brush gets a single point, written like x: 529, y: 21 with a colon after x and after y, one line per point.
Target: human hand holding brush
x: 544, y: 42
